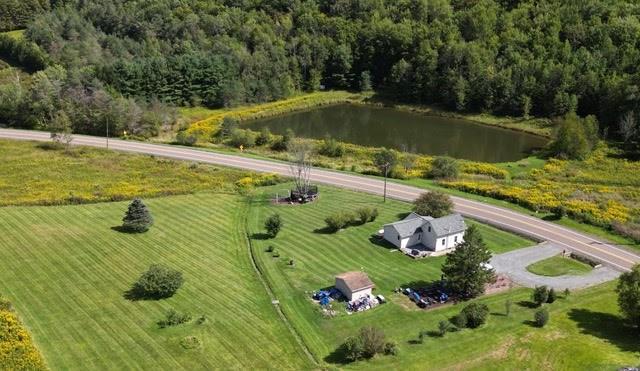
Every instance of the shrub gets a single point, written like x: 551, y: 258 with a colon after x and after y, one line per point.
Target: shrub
x: 241, y: 137
x: 17, y: 351
x: 270, y: 248
x: 263, y: 137
x: 5, y: 305
x: 373, y: 341
x: 541, y: 317
x: 282, y: 144
x: 443, y: 327
x: 353, y: 348
x: 366, y: 214
x: 552, y: 296
x: 567, y: 292
x: 158, y: 282
x: 228, y: 125
x: 444, y: 168
x: 185, y: 138
x: 174, y: 318
x: 476, y: 314
x: 190, y: 342
x: 137, y: 218
x: 391, y: 348
x: 276, y: 254
x: 273, y: 224
x: 540, y: 295
x: 433, y: 203
x: 459, y: 320
x: 331, y: 148
x: 339, y: 220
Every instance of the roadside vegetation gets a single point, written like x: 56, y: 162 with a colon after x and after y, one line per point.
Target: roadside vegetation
x: 45, y: 174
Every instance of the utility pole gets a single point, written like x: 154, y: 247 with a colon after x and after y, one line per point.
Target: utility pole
x: 386, y: 170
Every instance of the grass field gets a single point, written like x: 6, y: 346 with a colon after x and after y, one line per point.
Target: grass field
x: 505, y: 343
x: 558, y: 266
x: 65, y: 270
x: 32, y: 175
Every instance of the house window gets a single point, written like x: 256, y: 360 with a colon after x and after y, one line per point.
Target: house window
x: 429, y: 229
x: 444, y: 241
x: 455, y: 239
x: 398, y: 237
x: 419, y: 237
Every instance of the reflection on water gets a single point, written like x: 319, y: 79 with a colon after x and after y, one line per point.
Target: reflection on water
x: 378, y: 127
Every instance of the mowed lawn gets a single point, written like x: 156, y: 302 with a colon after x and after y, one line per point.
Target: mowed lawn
x: 65, y: 269
x: 558, y: 266
x: 504, y: 343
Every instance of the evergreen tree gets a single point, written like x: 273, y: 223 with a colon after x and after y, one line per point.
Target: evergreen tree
x: 137, y: 218
x: 465, y: 270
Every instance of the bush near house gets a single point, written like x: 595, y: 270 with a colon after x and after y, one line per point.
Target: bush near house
x: 434, y: 203
x: 339, y: 220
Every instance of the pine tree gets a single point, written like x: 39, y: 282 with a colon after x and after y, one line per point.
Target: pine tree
x: 137, y: 219
x: 465, y: 270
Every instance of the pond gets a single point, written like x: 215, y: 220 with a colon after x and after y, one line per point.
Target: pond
x: 405, y: 131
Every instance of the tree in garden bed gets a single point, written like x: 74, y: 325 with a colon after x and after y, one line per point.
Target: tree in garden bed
x: 137, y: 218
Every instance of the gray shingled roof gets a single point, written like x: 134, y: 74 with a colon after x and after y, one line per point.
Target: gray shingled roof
x: 449, y: 224
x: 444, y: 226
x: 407, y: 226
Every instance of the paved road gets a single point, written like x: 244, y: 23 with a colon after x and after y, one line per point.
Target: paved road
x: 514, y: 264
x: 497, y: 216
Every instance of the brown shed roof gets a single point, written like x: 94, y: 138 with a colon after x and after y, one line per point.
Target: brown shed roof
x: 355, y: 281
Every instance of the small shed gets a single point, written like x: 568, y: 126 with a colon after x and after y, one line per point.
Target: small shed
x: 354, y: 285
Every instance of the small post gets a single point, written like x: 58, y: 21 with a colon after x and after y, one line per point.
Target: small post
x: 107, y: 133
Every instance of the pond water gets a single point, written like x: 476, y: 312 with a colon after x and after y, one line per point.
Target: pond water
x: 385, y: 127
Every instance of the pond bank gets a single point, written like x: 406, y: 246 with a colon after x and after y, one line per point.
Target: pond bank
x: 204, y: 122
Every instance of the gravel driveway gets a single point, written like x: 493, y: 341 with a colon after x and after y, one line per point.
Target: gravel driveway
x: 514, y: 265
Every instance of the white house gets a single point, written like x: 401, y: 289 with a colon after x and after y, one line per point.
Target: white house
x: 354, y: 285
x: 424, y: 232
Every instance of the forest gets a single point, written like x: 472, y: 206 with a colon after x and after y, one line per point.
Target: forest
x: 131, y: 61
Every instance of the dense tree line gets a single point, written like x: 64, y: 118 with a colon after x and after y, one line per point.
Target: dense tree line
x: 545, y: 58
x: 15, y: 14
